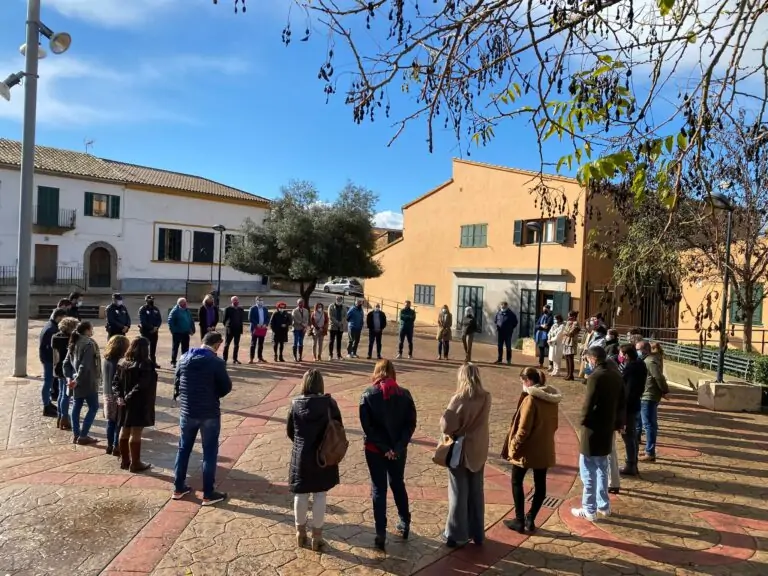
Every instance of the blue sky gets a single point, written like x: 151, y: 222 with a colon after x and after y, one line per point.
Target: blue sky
x: 185, y: 85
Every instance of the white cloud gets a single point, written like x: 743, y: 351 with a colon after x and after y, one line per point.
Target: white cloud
x: 388, y: 219
x: 111, y: 13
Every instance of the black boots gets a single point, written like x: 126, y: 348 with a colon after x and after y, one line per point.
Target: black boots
x: 301, y: 353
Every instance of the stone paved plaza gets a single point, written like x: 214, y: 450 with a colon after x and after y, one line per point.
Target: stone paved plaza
x: 69, y: 510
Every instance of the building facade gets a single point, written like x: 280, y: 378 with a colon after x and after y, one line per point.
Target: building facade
x: 101, y: 225
x: 473, y: 242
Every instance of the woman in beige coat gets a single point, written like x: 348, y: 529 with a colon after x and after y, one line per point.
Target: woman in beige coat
x: 444, y: 334
x: 467, y: 415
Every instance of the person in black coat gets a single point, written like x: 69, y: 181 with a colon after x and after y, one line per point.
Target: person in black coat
x: 309, y: 417
x: 208, y: 316
x: 150, y: 321
x: 75, y: 301
x: 233, y: 323
x: 118, y: 319
x: 376, y: 321
x: 634, y: 373
x: 280, y: 323
x: 45, y: 352
x: 135, y: 386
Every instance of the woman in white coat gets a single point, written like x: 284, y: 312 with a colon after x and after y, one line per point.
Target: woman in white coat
x: 555, y: 341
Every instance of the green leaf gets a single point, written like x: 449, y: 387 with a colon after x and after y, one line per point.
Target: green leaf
x: 605, y: 58
x: 665, y: 6
x: 516, y: 88
x: 560, y: 164
x: 578, y: 155
x: 669, y: 142
x: 691, y: 38
x: 588, y: 150
x: 682, y: 141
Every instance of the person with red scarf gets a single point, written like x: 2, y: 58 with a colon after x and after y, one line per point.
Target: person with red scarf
x: 388, y: 419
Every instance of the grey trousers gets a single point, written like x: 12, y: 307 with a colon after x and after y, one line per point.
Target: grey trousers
x: 614, y: 478
x: 466, y: 506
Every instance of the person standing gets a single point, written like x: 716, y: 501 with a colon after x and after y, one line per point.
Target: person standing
x: 656, y: 388
x: 571, y: 343
x: 555, y: 342
x: 590, y: 335
x: 388, y: 420
x: 376, y: 321
x: 530, y: 444
x: 542, y: 331
x: 599, y: 412
x: 118, y: 319
x: 135, y: 385
x: 467, y: 417
x: 506, y: 323
x: 306, y: 424
x: 612, y: 345
x: 45, y: 353
x: 82, y: 367
x: 444, y: 332
x: 300, y: 319
x: 355, y: 325
x: 318, y: 329
x: 233, y: 324
x: 208, y: 316
x: 76, y: 301
x: 258, y: 318
x: 60, y: 345
x: 634, y: 373
x: 150, y: 321
x: 337, y: 315
x: 117, y: 346
x: 468, y: 330
x: 181, y: 326
x: 407, y: 323
x: 279, y: 323
x: 201, y: 382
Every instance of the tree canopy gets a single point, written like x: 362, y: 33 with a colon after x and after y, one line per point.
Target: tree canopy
x: 303, y: 239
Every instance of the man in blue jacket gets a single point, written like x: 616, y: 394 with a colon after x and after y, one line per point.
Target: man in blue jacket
x: 200, y: 384
x: 506, y: 322
x: 150, y: 321
x: 45, y: 351
x: 181, y: 327
x: 355, y: 327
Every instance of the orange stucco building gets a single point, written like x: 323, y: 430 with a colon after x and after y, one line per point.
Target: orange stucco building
x: 468, y: 242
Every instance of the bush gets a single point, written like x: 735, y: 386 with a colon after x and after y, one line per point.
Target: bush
x: 760, y: 370
x: 519, y: 344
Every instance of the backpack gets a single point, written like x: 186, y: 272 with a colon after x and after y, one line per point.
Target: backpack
x: 334, y: 445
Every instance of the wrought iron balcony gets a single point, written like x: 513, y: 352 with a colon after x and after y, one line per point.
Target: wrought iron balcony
x: 53, y: 219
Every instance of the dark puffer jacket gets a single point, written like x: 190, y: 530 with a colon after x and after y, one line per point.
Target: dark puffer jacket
x: 201, y: 381
x: 137, y: 385
x: 388, y: 418
x: 306, y: 425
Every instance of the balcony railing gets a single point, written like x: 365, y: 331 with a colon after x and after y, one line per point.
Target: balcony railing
x: 47, y: 276
x: 62, y: 218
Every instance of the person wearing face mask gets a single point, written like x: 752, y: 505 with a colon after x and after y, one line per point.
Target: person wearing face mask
x: 118, y: 319
x: 150, y: 321
x: 468, y: 331
x: 541, y: 333
x: 337, y: 316
x: 376, y: 321
x: 570, y: 342
x: 208, y: 316
x: 355, y: 319
x: 182, y: 326
x: 656, y: 388
x: 82, y: 368
x: 279, y: 323
x: 506, y: 322
x: 602, y: 413
x: 319, y: 328
x: 444, y: 332
x: 555, y: 342
x: 530, y: 444
x: 634, y: 372
x: 258, y: 317
x: 200, y: 384
x: 233, y: 323
x: 76, y: 301
x: 300, y: 316
x: 407, y: 323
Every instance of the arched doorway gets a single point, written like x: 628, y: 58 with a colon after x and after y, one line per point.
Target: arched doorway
x: 100, y: 266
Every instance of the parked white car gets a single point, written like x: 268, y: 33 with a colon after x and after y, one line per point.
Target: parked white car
x: 344, y: 286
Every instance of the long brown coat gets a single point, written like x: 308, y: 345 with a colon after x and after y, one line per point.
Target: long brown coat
x: 531, y: 439
x: 469, y: 417
x: 444, y: 327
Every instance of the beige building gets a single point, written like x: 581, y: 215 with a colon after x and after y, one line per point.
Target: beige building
x: 470, y: 242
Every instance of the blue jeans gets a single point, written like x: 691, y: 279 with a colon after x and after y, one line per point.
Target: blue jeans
x: 209, y: 429
x: 63, y: 401
x: 113, y: 433
x: 90, y: 416
x: 649, y: 410
x: 298, y: 338
x: 383, y: 469
x: 47, y: 382
x: 594, y: 475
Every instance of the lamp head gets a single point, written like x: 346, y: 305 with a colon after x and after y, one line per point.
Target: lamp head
x: 60, y: 42
x: 533, y: 225
x: 5, y: 92
x: 41, y: 53
x: 219, y: 228
x: 721, y: 201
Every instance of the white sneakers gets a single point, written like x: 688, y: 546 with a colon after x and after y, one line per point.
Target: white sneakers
x: 581, y: 513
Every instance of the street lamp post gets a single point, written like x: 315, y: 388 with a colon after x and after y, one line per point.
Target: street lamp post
x: 220, y: 229
x: 722, y: 202
x: 59, y: 43
x: 538, y: 226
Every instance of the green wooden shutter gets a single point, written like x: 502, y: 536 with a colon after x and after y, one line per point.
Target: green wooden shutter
x: 483, y: 235
x: 161, y: 244
x: 757, y: 315
x: 561, y: 228
x: 734, y: 312
x: 518, y: 236
x: 465, y: 239
x: 88, y: 208
x: 114, y: 206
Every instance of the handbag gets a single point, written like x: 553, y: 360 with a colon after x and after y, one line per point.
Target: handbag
x: 260, y: 331
x: 448, y: 452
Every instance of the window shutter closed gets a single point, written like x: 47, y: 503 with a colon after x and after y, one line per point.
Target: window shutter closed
x: 562, y: 227
x: 114, y: 206
x: 88, y: 208
x: 518, y: 237
x: 161, y: 244
x: 757, y: 315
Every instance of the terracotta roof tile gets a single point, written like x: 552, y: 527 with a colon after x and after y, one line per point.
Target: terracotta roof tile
x: 67, y: 162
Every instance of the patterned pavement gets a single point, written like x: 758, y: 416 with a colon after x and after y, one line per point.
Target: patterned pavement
x: 65, y: 509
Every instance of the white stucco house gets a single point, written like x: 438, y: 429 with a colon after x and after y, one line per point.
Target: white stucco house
x: 102, y: 225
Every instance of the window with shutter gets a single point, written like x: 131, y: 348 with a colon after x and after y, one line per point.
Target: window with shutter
x: 161, y: 244
x: 114, y: 207
x: 517, y: 239
x: 736, y: 313
x: 465, y: 237
x: 562, y: 227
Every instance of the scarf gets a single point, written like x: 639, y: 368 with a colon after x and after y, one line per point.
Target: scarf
x: 388, y: 387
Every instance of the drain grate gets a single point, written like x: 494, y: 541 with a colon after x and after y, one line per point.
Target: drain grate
x: 549, y: 502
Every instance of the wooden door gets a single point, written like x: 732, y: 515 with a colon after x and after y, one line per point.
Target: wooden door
x: 46, y: 260
x: 100, y: 269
